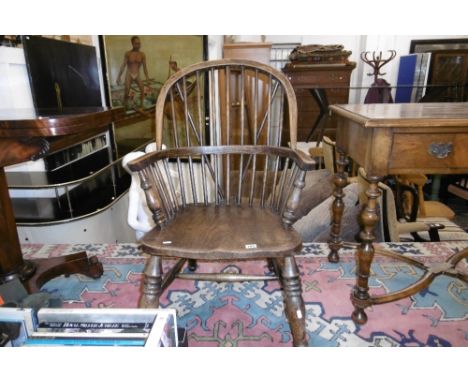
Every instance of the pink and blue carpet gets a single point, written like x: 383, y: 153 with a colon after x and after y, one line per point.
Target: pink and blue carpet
x: 251, y: 313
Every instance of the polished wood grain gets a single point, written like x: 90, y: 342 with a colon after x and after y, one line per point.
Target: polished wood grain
x: 28, y: 134
x: 204, y: 229
x: 392, y: 139
x: 225, y: 188
x: 395, y: 138
x: 23, y: 123
x: 426, y: 115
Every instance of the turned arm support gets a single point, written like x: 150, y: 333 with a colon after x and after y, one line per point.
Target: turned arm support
x: 289, y: 214
x: 152, y: 199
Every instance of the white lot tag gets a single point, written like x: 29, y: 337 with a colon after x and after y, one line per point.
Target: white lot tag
x: 167, y: 242
x: 250, y: 246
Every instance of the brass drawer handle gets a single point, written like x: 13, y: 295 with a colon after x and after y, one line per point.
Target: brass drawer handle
x: 440, y: 150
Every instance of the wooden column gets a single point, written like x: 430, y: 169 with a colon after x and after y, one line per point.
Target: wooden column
x: 340, y: 181
x: 11, y: 259
x: 360, y: 295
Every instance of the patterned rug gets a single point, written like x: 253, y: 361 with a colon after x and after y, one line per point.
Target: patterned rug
x: 251, y: 313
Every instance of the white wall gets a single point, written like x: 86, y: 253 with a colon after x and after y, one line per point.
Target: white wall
x: 15, y: 92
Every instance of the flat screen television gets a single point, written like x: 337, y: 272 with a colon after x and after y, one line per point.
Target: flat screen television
x: 61, y: 73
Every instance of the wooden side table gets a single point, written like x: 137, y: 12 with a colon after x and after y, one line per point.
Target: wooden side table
x: 27, y: 135
x: 390, y: 139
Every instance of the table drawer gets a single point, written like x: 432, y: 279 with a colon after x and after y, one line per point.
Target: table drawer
x: 314, y: 79
x: 429, y: 151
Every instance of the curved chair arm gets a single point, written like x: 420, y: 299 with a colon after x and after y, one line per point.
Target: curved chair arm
x: 302, y: 160
x: 306, y: 162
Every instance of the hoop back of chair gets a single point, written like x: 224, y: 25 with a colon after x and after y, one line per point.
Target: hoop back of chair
x: 226, y: 102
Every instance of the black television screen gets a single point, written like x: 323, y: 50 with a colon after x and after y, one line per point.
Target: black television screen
x: 61, y: 73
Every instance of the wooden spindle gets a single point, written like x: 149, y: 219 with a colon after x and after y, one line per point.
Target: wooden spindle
x: 242, y: 105
x: 281, y: 184
x: 204, y: 185
x: 268, y: 113
x: 280, y: 117
x: 151, y: 199
x: 171, y: 184
x: 264, y: 182
x: 159, y: 182
x: 288, y: 186
x: 201, y: 123
x: 174, y: 119
x: 186, y: 111
x: 181, y: 183
x: 275, y: 178
x: 227, y: 86
x: 267, y: 117
x: 255, y: 100
x: 252, y: 182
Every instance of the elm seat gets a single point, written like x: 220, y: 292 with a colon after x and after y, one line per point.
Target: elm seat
x: 208, y: 232
x: 229, y: 185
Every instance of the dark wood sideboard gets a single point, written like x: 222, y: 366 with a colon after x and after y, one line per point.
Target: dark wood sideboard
x: 334, y: 79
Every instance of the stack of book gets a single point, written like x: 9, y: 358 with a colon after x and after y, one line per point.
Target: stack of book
x: 92, y: 327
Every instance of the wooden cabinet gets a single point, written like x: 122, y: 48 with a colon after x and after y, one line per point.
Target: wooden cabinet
x: 256, y: 51
x: 333, y: 78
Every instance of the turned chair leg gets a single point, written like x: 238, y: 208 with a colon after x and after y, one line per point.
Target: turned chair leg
x: 294, y: 304
x: 152, y: 283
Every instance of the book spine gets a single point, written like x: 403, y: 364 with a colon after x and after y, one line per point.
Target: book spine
x: 96, y: 325
x: 83, y: 342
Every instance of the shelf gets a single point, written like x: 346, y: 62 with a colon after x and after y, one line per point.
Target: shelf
x: 86, y: 198
x: 75, y: 153
x: 72, y: 172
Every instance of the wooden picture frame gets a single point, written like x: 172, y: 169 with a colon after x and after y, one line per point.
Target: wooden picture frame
x: 448, y: 64
x: 423, y: 46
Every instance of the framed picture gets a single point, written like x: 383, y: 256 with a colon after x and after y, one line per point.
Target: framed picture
x: 136, y: 67
x: 423, y: 46
x: 448, y: 69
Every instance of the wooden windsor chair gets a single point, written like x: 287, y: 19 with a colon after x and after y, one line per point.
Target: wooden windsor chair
x: 225, y: 189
